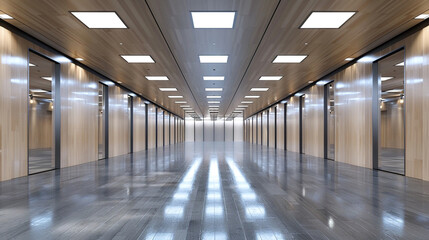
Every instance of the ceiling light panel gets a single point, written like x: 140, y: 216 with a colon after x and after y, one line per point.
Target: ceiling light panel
x: 213, y: 106
x: 327, y: 19
x: 213, y: 96
x: 180, y: 102
x: 349, y: 59
x: 100, y: 19
x: 168, y: 89
x: 138, y: 58
x: 157, y: 78
x: 289, y: 58
x: 270, y: 78
x: 248, y: 102
x: 213, y: 78
x: 175, y: 96
x: 251, y: 96
x: 213, y: 102
x: 48, y: 78
x: 213, y: 58
x: 385, y: 78
x: 184, y: 106
x: 259, y: 89
x: 213, y: 19
x: 242, y: 106
x: 401, y: 64
x: 4, y: 16
x: 214, y: 89
x: 422, y: 16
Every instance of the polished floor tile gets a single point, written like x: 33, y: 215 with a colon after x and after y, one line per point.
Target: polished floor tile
x: 214, y: 191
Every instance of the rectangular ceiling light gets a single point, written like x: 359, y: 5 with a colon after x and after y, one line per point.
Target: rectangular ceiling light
x: 184, y: 106
x: 213, y: 78
x: 386, y: 78
x: 270, y: 78
x: 212, y: 102
x: 289, y: 58
x: 100, y: 19
x: 213, y: 58
x: 157, y: 78
x: 349, y: 59
x: 299, y: 94
x: 213, y: 19
x: 213, y: 96
x: 401, y: 64
x: 138, y: 58
x: 214, y: 89
x: 394, y: 91
x: 213, y: 106
x: 327, y: 19
x: 31, y: 65
x: 251, y: 96
x: 187, y: 108
x: 168, y: 89
x: 422, y: 16
x: 38, y: 90
x: 248, y: 102
x: 48, y: 78
x: 242, y: 106
x: 259, y: 89
x: 5, y: 16
x: 175, y: 96
x: 180, y: 102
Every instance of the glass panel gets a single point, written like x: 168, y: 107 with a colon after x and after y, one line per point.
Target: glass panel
x: 391, y: 124
x: 331, y: 122
x: 101, y: 115
x: 41, y: 115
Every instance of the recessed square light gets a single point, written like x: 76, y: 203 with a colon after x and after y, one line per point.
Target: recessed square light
x: 48, y: 78
x: 289, y: 58
x: 422, y: 16
x: 213, y: 19
x: 247, y: 102
x: 214, y: 89
x: 100, y: 19
x: 213, y: 96
x: 168, y: 89
x: 401, y: 64
x: 214, y: 78
x: 213, y: 58
x: 212, y: 102
x: 138, y: 58
x: 327, y: 19
x: 180, y: 102
x: 4, y: 16
x: 385, y: 78
x: 251, y: 96
x: 175, y: 96
x: 259, y: 89
x: 270, y: 78
x: 349, y: 59
x: 31, y: 65
x: 157, y: 78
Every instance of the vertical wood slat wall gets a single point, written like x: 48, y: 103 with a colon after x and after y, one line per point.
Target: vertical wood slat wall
x: 79, y: 110
x: 353, y: 106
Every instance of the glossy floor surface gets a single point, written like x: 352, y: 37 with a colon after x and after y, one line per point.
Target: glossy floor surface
x: 214, y: 191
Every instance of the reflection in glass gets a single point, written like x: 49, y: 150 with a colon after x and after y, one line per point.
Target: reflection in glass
x: 331, y: 121
x: 391, y: 122
x: 101, y: 115
x: 41, y: 115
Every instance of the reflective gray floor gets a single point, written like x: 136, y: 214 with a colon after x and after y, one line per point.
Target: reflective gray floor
x: 392, y: 160
x: 214, y: 191
x: 40, y: 160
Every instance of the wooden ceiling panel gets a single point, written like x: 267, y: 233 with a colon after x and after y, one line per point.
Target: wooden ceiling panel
x: 262, y: 30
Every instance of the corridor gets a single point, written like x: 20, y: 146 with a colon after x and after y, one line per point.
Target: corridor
x: 214, y: 190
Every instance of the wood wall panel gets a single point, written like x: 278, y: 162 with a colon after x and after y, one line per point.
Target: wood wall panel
x: 139, y: 124
x: 313, y: 121
x: 254, y: 129
x: 40, y: 125
x: 13, y: 105
x: 160, y: 128
x: 172, y: 120
x: 166, y: 129
x: 392, y: 125
x: 280, y: 126
x: 271, y: 127
x: 119, y: 122
x: 292, y: 124
x: 151, y: 126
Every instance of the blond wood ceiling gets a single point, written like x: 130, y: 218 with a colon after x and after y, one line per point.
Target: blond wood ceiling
x: 262, y: 30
